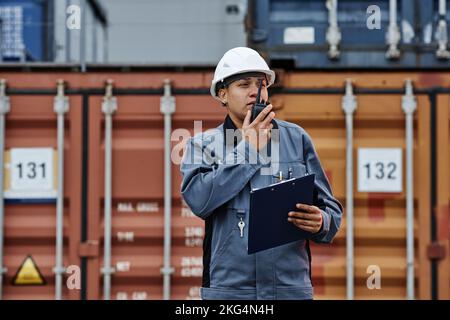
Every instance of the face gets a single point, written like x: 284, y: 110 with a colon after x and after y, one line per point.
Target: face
x: 240, y: 96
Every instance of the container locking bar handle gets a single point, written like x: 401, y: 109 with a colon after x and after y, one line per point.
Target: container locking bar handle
x: 333, y: 35
x: 393, y: 33
x: 109, y: 106
x: 441, y: 33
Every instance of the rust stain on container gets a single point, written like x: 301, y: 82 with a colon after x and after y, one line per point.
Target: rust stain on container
x: 376, y: 203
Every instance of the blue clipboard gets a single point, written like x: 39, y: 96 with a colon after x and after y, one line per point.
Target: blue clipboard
x: 269, y: 208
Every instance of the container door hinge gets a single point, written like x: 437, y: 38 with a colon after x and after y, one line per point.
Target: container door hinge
x: 436, y: 251
x: 88, y: 249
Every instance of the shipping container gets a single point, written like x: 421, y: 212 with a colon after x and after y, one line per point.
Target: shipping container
x: 177, y: 32
x: 80, y: 32
x: 441, y: 239
x: 379, y: 217
x: 340, y: 34
x: 30, y: 218
x: 23, y: 33
x: 49, y: 30
x: 131, y: 201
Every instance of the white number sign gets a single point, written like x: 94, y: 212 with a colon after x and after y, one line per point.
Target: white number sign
x: 31, y: 173
x: 380, y: 170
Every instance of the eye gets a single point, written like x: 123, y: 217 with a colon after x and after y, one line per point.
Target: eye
x: 263, y: 83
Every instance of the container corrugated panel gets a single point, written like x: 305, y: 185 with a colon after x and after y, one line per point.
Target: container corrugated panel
x: 30, y: 227
x: 294, y: 33
x: 138, y: 198
x: 217, y: 25
x: 380, y: 218
x: 138, y: 185
x: 443, y: 195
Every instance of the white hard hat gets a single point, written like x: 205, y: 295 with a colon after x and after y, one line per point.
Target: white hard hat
x: 240, y: 60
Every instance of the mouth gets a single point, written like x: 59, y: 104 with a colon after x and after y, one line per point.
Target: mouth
x: 251, y: 103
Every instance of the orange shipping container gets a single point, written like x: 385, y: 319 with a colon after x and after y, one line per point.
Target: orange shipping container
x: 442, y: 208
x: 137, y: 180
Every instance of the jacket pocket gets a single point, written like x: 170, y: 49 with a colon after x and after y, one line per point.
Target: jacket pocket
x: 288, y: 170
x: 232, y: 266
x: 232, y: 243
x: 292, y: 265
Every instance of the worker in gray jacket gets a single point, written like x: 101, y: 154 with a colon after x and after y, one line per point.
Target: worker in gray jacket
x: 222, y: 165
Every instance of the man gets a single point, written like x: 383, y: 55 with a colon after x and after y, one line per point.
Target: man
x: 217, y: 182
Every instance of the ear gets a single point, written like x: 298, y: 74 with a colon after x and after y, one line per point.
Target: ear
x: 223, y: 95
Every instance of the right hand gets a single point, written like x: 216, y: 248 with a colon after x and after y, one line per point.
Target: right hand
x: 257, y: 133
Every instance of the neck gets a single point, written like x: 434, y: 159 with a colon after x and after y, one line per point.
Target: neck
x: 237, y: 122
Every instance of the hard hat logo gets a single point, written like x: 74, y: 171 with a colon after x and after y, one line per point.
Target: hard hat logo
x: 236, y: 63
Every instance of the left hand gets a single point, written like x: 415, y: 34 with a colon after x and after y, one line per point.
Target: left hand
x: 309, y: 220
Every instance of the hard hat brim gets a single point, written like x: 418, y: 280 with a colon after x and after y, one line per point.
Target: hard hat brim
x: 270, y: 79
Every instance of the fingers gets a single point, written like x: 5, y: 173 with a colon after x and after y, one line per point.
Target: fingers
x: 267, y: 121
x: 312, y: 226
x: 302, y: 222
x: 305, y: 216
x: 306, y: 228
x: 307, y: 208
x: 260, y: 129
x: 266, y: 131
x: 247, y: 119
x: 310, y: 221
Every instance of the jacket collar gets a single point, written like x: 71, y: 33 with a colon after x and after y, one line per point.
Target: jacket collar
x: 229, y: 124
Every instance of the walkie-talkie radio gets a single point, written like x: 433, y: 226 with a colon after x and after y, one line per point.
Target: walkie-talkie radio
x: 259, y: 105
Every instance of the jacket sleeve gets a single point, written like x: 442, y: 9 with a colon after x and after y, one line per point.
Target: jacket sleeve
x: 208, y: 183
x: 323, y: 196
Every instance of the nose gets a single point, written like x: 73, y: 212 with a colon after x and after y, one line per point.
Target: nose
x: 253, y: 90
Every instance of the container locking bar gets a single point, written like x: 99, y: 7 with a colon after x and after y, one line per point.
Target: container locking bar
x: 349, y: 106
x: 167, y: 107
x: 109, y: 106
x: 60, y: 107
x: 409, y: 106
